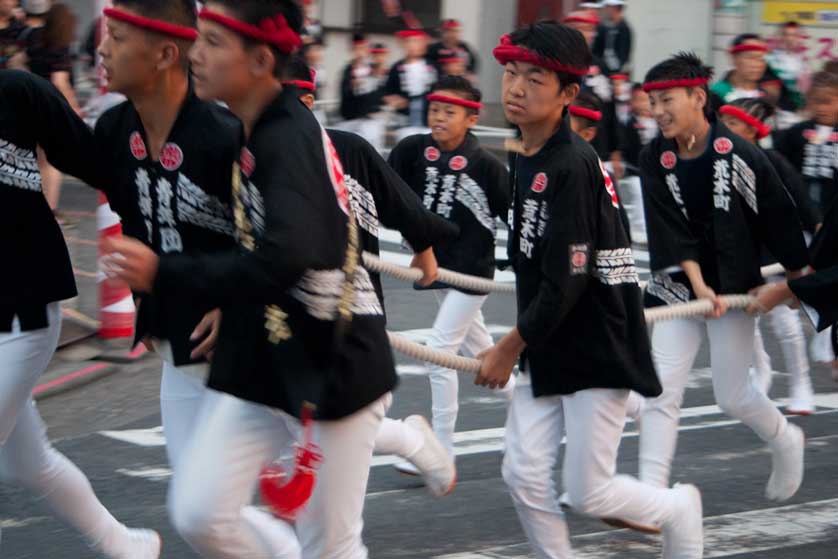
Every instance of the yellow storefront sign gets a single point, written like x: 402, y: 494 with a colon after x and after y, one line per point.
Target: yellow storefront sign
x: 823, y: 14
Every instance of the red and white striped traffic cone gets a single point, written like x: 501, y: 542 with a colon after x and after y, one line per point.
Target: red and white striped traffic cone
x: 116, y: 304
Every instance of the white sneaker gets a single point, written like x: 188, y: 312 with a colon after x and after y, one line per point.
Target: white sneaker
x: 432, y: 461
x: 801, y: 398
x: 786, y: 464
x: 145, y: 544
x: 683, y: 534
x: 762, y: 379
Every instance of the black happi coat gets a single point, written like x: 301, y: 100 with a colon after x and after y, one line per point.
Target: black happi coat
x: 579, y: 302
x: 380, y: 197
x: 360, y: 92
x: 396, y: 84
x: 37, y: 269
x: 719, y: 210
x: 281, y: 289
x: 630, y: 141
x: 815, y: 158
x: 176, y: 202
x: 820, y: 290
x: 469, y: 187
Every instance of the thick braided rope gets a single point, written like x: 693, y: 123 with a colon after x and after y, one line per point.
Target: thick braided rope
x: 455, y: 279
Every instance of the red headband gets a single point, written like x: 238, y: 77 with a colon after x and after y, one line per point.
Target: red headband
x: 170, y: 29
x: 273, y: 31
x: 747, y: 48
x: 379, y: 50
x: 581, y: 19
x: 762, y: 129
x: 669, y: 84
x: 406, y: 33
x: 450, y: 60
x: 619, y: 77
x: 451, y: 24
x: 300, y: 84
x: 507, y: 52
x: 454, y: 101
x: 590, y: 114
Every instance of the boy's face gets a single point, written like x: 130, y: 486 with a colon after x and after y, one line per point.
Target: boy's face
x: 360, y: 50
x: 450, y: 123
x: 676, y: 111
x: 750, y: 65
x: 456, y: 68
x: 823, y: 104
x: 221, y: 66
x: 532, y: 94
x: 314, y: 56
x: 792, y: 38
x: 640, y: 103
x: 380, y: 58
x: 415, y: 47
x: 739, y: 128
x: 451, y: 36
x: 130, y: 57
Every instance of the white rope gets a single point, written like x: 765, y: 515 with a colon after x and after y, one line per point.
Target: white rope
x: 453, y: 361
x: 454, y: 279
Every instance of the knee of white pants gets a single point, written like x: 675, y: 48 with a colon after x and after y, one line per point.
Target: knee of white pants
x: 668, y: 403
x: 35, y: 473
x: 734, y: 401
x: 199, y: 526
x: 587, y: 496
x: 529, y: 484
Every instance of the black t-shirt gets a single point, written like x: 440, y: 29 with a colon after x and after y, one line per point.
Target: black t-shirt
x: 10, y: 42
x: 45, y: 60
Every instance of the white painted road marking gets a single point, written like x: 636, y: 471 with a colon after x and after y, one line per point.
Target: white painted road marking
x: 724, y: 536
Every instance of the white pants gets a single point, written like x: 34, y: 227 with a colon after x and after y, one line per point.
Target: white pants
x: 219, y: 472
x: 372, y: 129
x: 675, y: 344
x: 182, y: 395
x: 593, y: 423
x: 787, y: 328
x: 26, y: 456
x: 459, y: 328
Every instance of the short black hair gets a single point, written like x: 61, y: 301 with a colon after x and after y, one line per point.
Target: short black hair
x: 460, y: 85
x: 740, y: 39
x: 792, y: 23
x: 255, y: 11
x: 177, y: 12
x: 758, y: 108
x: 635, y: 87
x: 588, y: 100
x: 297, y: 69
x: 824, y: 79
x: 684, y: 66
x: 556, y: 41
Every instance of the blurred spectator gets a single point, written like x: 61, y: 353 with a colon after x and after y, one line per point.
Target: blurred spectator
x: 411, y: 78
x: 747, y: 78
x: 10, y: 31
x: 312, y: 28
x: 614, y: 38
x: 639, y: 130
x: 789, y: 64
x: 453, y: 66
x: 312, y: 53
x: 452, y: 47
x: 361, y: 92
x: 621, y: 89
x: 51, y: 30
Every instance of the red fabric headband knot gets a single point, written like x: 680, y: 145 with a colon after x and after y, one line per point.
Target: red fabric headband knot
x: 507, y: 52
x: 274, y: 31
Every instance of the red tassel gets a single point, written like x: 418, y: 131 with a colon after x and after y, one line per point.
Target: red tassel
x: 287, y: 500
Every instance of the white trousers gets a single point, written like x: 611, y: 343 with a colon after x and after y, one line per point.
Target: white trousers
x: 182, y: 395
x: 787, y: 328
x: 26, y: 456
x: 459, y: 328
x: 219, y: 472
x: 675, y: 344
x: 592, y: 421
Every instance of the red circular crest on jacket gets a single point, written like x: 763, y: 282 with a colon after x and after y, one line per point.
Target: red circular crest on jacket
x: 723, y: 146
x: 669, y: 159
x: 247, y: 162
x: 138, y: 149
x: 458, y: 163
x: 579, y: 259
x: 432, y: 154
x: 171, y: 157
x: 539, y: 182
